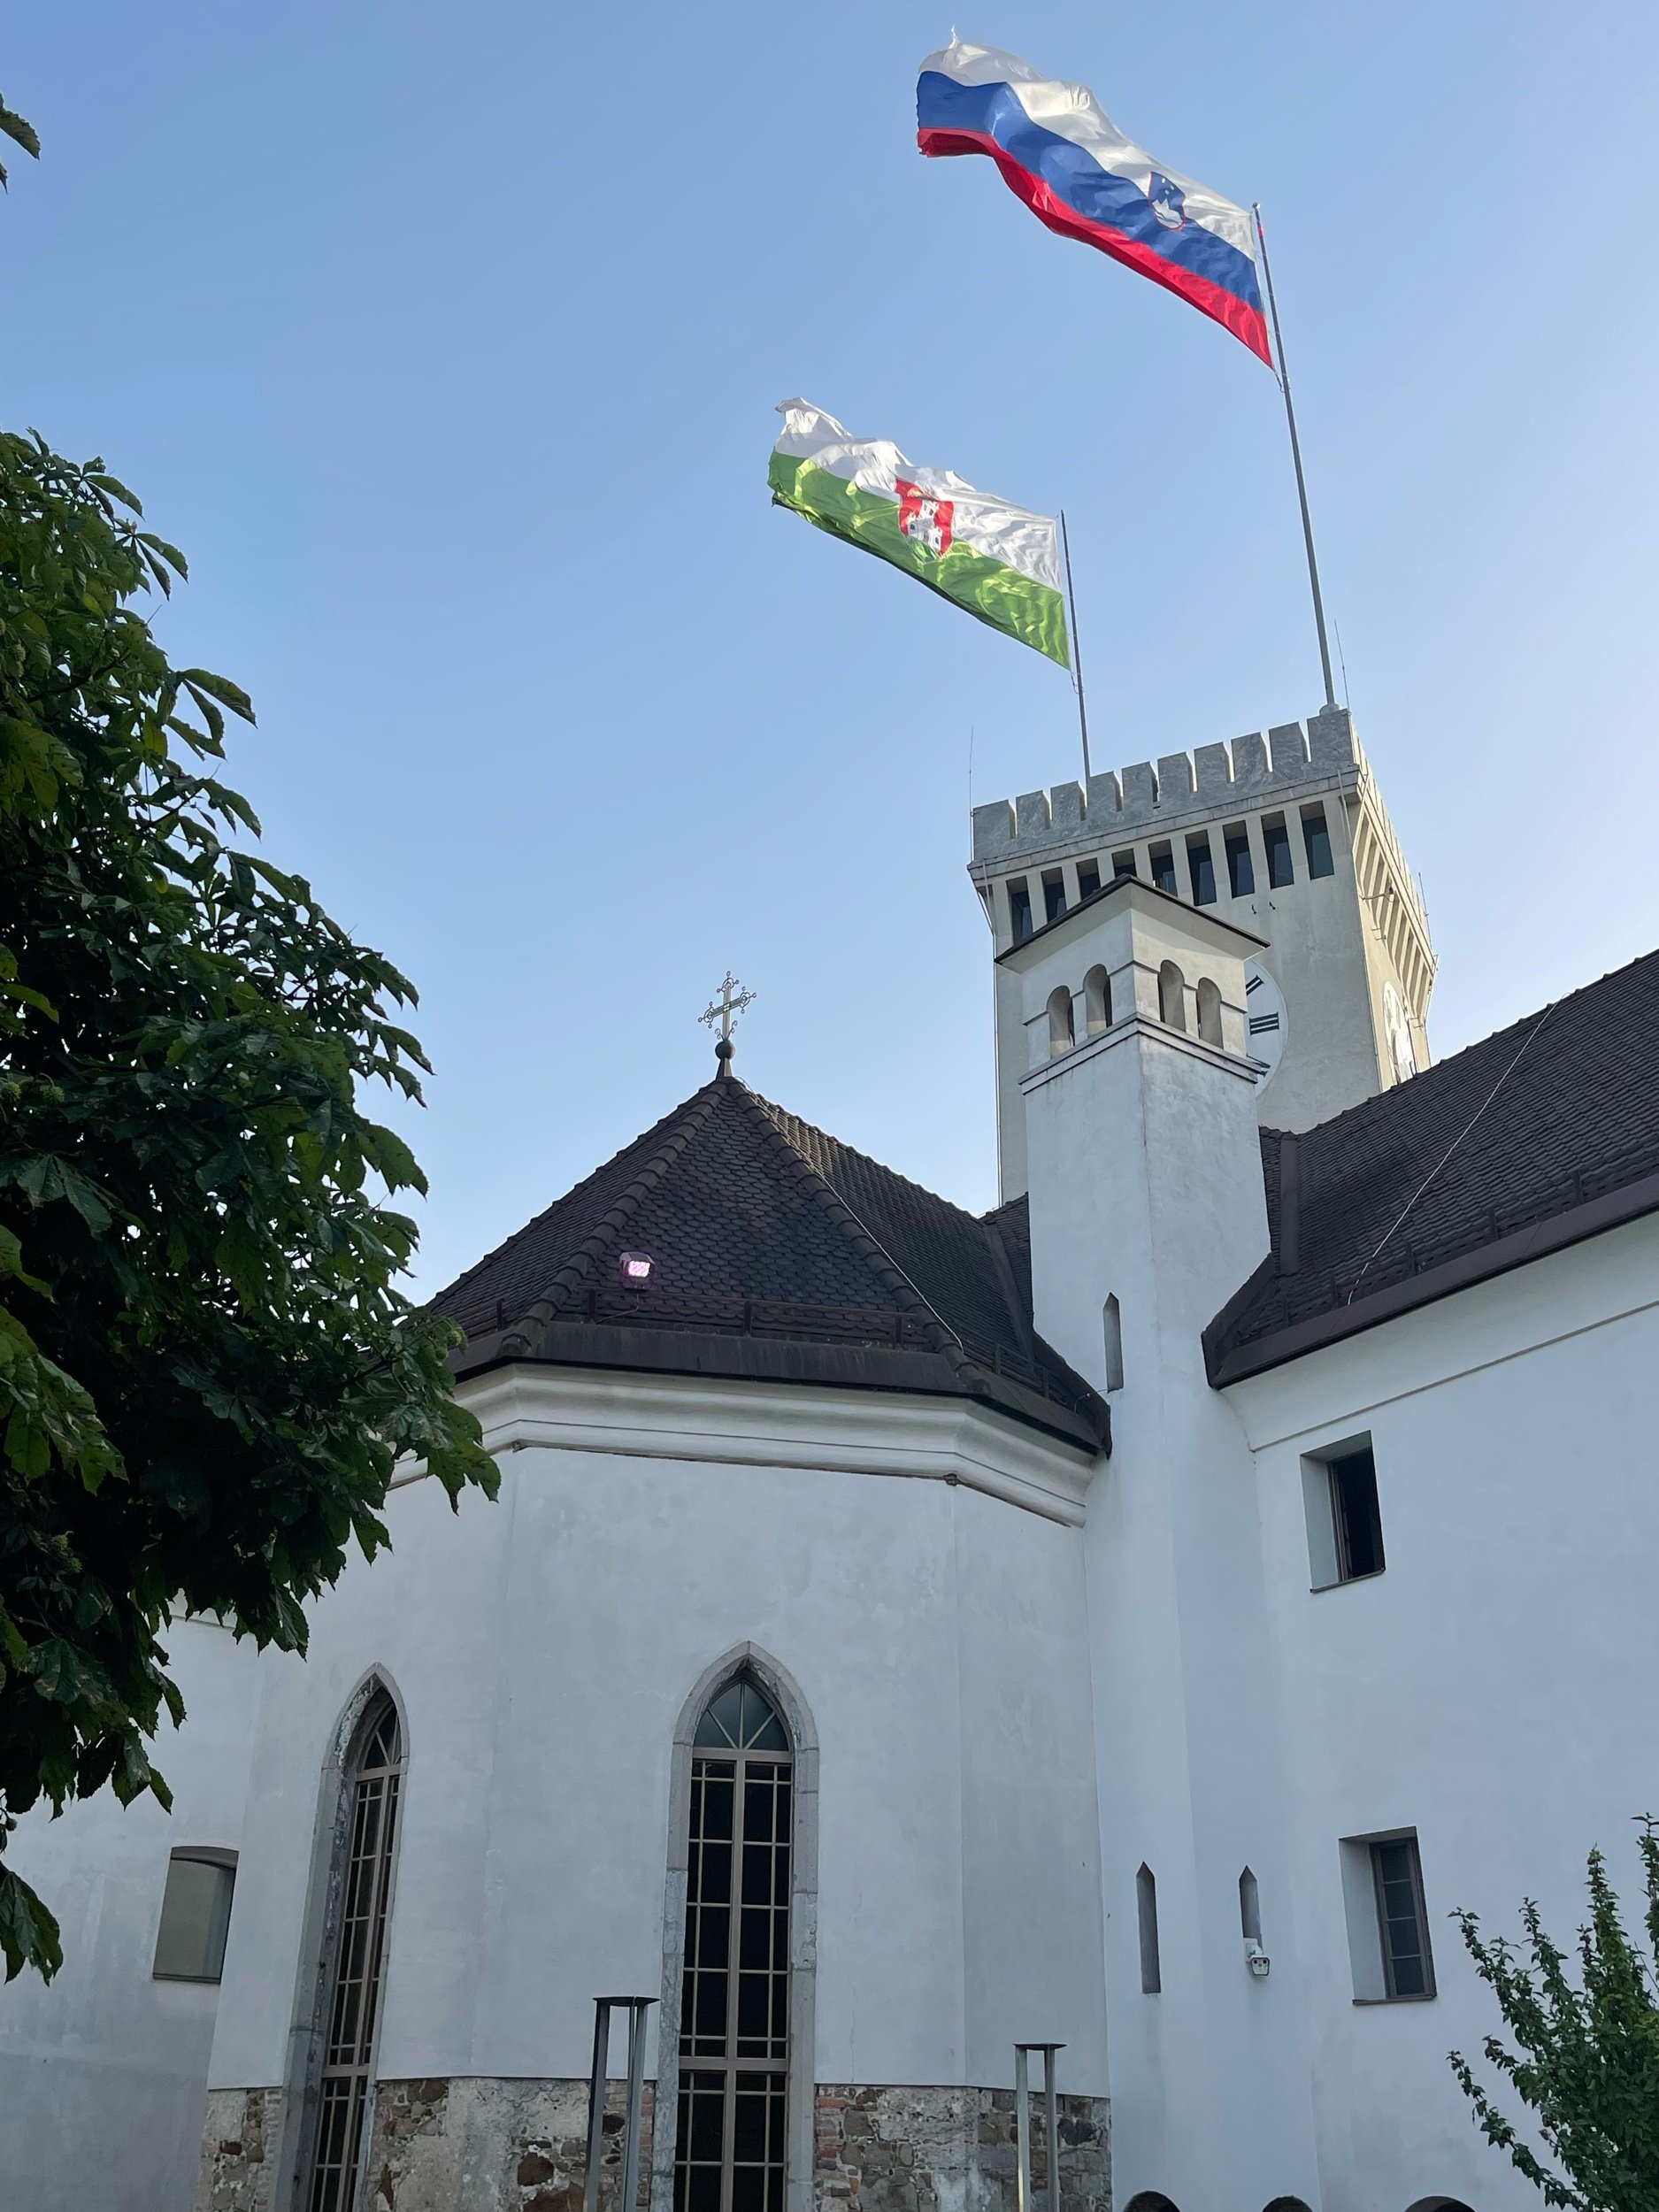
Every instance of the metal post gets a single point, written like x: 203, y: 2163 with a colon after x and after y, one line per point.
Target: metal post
x: 637, y: 2008
x: 1295, y: 455
x: 1022, y: 2127
x: 597, y: 2102
x: 1051, y: 2120
x: 1076, y: 657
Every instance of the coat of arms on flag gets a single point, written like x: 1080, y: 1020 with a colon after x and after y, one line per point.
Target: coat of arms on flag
x: 925, y: 520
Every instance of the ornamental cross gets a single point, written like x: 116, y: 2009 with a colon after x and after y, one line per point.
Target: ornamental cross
x: 732, y: 1000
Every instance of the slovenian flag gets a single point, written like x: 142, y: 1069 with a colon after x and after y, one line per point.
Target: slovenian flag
x: 998, y: 563
x: 1062, y: 153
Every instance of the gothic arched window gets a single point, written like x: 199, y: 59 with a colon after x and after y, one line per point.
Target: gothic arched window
x: 730, y: 2151
x: 354, y: 1969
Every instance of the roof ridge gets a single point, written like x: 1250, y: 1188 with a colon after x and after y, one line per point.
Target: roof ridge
x: 863, y: 1240
x: 532, y: 1323
x: 934, y: 1197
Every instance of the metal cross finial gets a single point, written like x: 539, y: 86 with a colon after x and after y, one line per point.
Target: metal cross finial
x: 732, y: 1000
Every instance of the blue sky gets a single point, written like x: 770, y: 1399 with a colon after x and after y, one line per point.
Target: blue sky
x: 446, y: 342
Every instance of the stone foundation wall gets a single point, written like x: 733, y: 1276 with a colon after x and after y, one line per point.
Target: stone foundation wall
x: 468, y: 2145
x: 952, y: 2150
x: 242, y: 2142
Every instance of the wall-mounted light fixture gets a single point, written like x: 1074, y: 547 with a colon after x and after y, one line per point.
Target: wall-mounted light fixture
x: 636, y: 1269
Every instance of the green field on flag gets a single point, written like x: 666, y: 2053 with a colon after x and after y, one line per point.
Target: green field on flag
x: 1017, y: 605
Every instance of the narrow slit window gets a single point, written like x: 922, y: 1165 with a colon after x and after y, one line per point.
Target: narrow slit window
x: 1060, y: 1032
x: 1202, y: 867
x: 1401, y: 1921
x: 1249, y: 1908
x: 195, y: 1915
x: 1019, y: 911
x: 1053, y: 897
x: 1276, y: 844
x: 1087, y: 879
x: 1209, y: 998
x: 1147, y: 1915
x: 1162, y: 862
x: 1316, y: 837
x: 1241, y: 867
x: 1113, y: 1323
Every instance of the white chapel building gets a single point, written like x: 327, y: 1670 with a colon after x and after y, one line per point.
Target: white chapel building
x: 1132, y: 1620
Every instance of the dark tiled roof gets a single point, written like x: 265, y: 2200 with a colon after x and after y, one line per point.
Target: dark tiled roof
x: 764, y: 1229
x: 1532, y: 1140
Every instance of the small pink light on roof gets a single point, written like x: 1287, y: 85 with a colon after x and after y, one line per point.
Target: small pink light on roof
x: 636, y: 1269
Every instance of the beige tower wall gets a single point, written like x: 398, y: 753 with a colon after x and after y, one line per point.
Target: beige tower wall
x: 1335, y: 944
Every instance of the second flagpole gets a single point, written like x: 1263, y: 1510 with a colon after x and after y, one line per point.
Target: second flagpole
x: 1077, y: 657
x: 1295, y: 455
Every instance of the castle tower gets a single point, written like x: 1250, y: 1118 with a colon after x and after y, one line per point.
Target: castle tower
x: 1286, y: 837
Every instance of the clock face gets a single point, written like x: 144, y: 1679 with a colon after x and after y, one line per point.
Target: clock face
x: 1397, y: 1023
x: 1266, y: 1019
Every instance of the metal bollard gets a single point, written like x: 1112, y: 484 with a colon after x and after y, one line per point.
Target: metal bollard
x: 637, y: 2009
x: 1022, y: 2120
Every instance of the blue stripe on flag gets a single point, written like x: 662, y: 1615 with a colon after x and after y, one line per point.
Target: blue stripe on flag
x: 1090, y: 191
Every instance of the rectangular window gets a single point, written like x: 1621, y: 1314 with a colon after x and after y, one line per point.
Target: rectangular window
x: 1162, y: 864
x: 1053, y: 897
x: 195, y: 1915
x: 1200, y: 863
x: 1345, y: 1537
x: 1240, y: 868
x: 1402, y: 1925
x: 1122, y: 864
x: 1087, y: 879
x: 1359, y: 1546
x: 1315, y: 836
x: 1019, y: 911
x: 1275, y: 843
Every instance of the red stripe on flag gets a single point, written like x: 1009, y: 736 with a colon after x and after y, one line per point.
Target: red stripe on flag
x: 1247, y: 323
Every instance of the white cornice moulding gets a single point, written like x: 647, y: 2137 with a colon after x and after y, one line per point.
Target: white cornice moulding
x: 795, y: 1426
x: 1135, y: 1025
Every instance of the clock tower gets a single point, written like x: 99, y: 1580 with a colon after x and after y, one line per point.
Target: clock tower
x: 1286, y: 837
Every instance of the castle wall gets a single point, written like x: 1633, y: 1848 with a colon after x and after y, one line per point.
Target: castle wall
x: 1491, y: 1688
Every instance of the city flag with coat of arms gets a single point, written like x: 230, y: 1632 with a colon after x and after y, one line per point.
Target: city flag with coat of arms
x: 997, y: 561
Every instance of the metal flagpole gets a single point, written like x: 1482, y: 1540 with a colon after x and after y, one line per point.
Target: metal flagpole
x: 1077, y: 657
x: 1295, y: 455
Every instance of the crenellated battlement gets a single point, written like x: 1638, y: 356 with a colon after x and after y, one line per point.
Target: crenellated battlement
x: 1176, y: 789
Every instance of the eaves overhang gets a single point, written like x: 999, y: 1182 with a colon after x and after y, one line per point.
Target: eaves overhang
x: 909, y: 1371
x: 1229, y: 1360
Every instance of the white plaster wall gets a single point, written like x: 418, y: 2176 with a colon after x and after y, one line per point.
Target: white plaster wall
x: 542, y: 1648
x: 1493, y: 1689
x: 104, y: 2072
x: 1146, y: 1185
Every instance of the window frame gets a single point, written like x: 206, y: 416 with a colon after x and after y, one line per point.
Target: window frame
x: 1276, y: 847
x: 779, y: 1688
x: 1328, y: 1535
x: 1316, y: 823
x: 1406, y: 1838
x: 225, y: 1862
